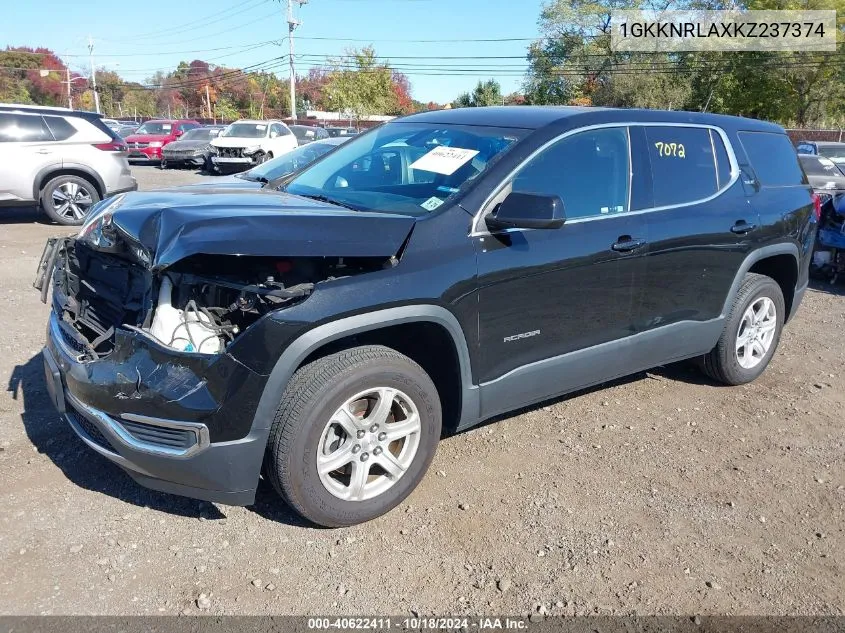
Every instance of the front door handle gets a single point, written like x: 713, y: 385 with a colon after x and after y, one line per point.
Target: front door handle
x: 626, y: 244
x: 43, y: 151
x: 742, y: 227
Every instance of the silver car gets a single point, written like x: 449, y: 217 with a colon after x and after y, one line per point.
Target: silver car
x: 66, y: 160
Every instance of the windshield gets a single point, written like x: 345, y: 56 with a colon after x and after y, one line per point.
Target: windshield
x: 245, y: 130
x: 833, y: 152
x: 200, y: 134
x: 288, y: 163
x: 410, y: 168
x: 155, y: 127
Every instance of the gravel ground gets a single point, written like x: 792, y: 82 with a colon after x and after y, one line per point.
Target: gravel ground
x: 659, y: 494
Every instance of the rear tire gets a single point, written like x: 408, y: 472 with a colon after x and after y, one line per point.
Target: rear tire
x: 67, y: 199
x: 751, y: 335
x: 329, y: 415
x: 163, y: 163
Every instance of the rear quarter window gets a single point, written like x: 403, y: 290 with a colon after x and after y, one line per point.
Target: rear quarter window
x: 683, y: 167
x: 773, y: 158
x: 60, y: 127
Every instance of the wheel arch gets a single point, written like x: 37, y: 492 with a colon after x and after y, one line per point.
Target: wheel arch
x: 778, y: 261
x: 373, y: 327
x: 81, y: 171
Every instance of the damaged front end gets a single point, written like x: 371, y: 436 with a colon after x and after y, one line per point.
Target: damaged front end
x: 161, y: 306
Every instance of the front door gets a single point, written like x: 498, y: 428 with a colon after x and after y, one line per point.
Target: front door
x: 552, y: 302
x: 26, y: 148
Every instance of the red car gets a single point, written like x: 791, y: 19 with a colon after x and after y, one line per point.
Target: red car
x: 146, y: 142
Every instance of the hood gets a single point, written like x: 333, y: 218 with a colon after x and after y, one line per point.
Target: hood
x: 229, y: 183
x: 236, y: 141
x: 183, y: 145
x: 146, y: 138
x: 174, y: 224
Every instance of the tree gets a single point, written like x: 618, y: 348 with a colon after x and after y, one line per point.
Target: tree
x: 225, y: 110
x: 359, y: 84
x: 486, y: 93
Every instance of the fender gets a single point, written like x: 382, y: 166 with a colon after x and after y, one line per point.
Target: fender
x: 41, y: 177
x: 752, y: 258
x: 299, y: 350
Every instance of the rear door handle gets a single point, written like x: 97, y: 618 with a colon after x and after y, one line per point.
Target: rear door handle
x: 742, y: 227
x: 43, y: 151
x: 626, y: 244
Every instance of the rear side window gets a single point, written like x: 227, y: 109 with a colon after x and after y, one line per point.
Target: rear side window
x: 60, y: 128
x: 589, y: 171
x: 773, y: 158
x: 683, y: 167
x: 23, y: 128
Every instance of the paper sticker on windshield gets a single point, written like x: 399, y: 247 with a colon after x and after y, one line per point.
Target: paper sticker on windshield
x: 444, y: 160
x: 260, y: 127
x: 432, y: 203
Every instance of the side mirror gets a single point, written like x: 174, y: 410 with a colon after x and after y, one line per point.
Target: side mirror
x: 527, y: 211
x: 178, y: 133
x: 273, y: 134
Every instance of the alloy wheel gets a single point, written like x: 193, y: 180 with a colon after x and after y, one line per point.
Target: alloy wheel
x: 756, y: 332
x: 72, y: 200
x: 368, y: 444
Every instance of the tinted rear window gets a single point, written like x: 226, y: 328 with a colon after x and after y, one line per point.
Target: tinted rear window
x: 683, y: 167
x: 61, y: 129
x: 773, y: 158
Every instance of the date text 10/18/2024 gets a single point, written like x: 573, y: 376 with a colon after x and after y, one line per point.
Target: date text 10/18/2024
x: 418, y: 624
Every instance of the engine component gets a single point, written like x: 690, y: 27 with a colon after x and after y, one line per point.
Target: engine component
x: 188, y: 330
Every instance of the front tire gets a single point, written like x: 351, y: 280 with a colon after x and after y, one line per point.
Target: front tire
x: 67, y: 199
x: 751, y: 335
x: 354, y: 434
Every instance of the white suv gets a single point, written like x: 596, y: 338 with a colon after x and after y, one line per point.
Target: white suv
x: 65, y: 159
x: 247, y: 143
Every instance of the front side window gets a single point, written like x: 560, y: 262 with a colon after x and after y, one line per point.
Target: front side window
x: 246, y: 130
x: 589, y: 170
x: 411, y: 168
x: 23, y: 128
x: 683, y: 166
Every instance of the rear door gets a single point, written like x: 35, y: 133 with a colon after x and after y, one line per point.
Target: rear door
x: 548, y: 293
x: 701, y: 226
x: 26, y: 148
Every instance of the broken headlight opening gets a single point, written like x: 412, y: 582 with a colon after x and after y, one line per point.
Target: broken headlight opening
x: 200, y: 304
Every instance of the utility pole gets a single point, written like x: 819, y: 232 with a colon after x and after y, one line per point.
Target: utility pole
x: 69, y: 96
x: 208, y: 101
x: 93, y: 74
x: 292, y: 24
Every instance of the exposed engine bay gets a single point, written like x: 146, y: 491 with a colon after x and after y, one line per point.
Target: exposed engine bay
x: 200, y: 304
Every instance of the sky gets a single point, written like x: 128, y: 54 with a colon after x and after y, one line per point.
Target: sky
x: 137, y: 39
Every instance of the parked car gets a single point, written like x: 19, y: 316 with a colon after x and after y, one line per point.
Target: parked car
x: 272, y: 173
x: 193, y: 149
x: 248, y: 142
x: 64, y: 160
x: 112, y: 123
x: 829, y: 149
x: 826, y: 178
x: 126, y: 130
x: 146, y: 143
x: 341, y: 131
x: 440, y: 270
x: 307, y: 133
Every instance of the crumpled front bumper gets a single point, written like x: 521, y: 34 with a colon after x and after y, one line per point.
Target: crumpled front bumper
x: 158, y: 416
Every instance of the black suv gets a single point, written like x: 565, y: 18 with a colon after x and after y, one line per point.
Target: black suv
x: 432, y: 273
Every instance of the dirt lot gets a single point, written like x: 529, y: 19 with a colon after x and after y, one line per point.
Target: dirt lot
x: 663, y: 493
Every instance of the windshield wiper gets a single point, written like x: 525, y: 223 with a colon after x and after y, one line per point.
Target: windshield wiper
x: 322, y: 198
x: 252, y: 177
